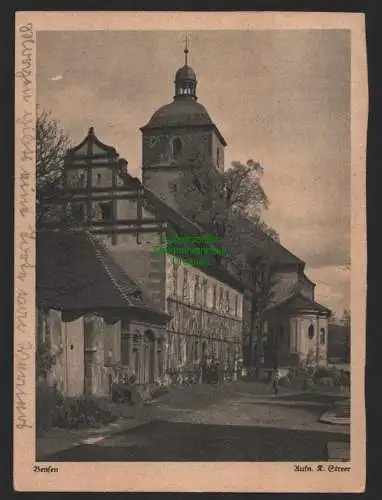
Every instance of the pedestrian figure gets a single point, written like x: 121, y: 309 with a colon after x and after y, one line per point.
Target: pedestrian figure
x: 275, y: 381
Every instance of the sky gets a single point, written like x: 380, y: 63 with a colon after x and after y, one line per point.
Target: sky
x: 279, y: 97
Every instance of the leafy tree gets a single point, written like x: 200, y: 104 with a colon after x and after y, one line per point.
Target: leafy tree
x: 230, y: 205
x: 210, y: 197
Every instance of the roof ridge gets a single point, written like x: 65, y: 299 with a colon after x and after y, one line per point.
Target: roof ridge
x: 269, y: 238
x: 298, y: 294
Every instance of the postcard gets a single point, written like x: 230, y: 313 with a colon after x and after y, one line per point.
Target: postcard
x: 190, y: 252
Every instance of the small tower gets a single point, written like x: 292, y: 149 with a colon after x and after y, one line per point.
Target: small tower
x: 176, y: 135
x: 185, y: 79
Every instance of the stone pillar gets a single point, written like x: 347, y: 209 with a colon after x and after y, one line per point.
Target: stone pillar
x: 141, y: 365
x: 130, y: 337
x: 155, y: 359
x: 127, y: 337
x: 318, y: 340
x: 293, y: 334
x: 298, y: 336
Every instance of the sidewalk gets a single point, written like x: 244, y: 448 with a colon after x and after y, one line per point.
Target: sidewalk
x: 58, y: 439
x: 338, y: 413
x: 185, y: 397
x: 178, y: 400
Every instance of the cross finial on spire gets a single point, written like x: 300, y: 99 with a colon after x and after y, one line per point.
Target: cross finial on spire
x: 186, y: 50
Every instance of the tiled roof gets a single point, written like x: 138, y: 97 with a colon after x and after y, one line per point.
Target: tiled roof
x: 265, y: 245
x: 180, y: 113
x: 299, y: 302
x: 75, y: 271
x: 189, y: 228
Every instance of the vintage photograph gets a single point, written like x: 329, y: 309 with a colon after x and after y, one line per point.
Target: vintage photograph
x: 172, y: 302
x: 193, y: 247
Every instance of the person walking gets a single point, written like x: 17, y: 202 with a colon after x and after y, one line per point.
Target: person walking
x: 276, y: 380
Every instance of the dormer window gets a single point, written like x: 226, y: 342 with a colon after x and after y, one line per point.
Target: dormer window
x: 177, y: 147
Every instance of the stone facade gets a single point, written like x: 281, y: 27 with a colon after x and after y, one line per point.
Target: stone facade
x: 206, y: 319
x: 207, y: 316
x: 162, y: 163
x: 83, y: 347
x: 302, y: 334
x: 123, y: 215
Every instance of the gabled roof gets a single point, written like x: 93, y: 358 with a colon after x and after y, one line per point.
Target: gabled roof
x: 90, y: 147
x: 305, y: 278
x: 299, y: 303
x: 75, y: 271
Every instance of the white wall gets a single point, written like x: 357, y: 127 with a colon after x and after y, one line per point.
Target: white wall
x: 74, y: 357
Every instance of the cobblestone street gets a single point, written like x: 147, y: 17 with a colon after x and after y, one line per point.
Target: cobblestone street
x: 243, y: 421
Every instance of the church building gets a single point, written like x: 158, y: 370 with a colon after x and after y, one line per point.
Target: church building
x: 168, y: 314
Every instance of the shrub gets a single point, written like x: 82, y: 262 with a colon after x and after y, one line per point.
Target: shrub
x: 45, y: 360
x: 81, y: 412
x: 322, y: 373
x: 45, y: 407
x: 339, y: 377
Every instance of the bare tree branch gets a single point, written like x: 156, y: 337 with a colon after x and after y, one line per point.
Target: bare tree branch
x: 52, y: 144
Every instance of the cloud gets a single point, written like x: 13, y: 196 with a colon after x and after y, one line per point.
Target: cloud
x: 56, y: 78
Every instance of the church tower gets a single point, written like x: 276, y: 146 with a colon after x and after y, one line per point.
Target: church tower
x: 176, y: 134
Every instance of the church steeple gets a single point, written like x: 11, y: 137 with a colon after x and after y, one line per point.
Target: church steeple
x: 186, y: 51
x: 185, y: 79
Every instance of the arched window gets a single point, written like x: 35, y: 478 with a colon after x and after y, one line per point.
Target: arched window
x: 220, y: 297
x: 281, y: 331
x: 205, y: 293
x: 311, y: 331
x: 322, y: 336
x: 215, y: 289
x: 177, y: 147
x: 175, y: 279
x: 218, y: 156
x: 185, y: 285
x: 196, y: 290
